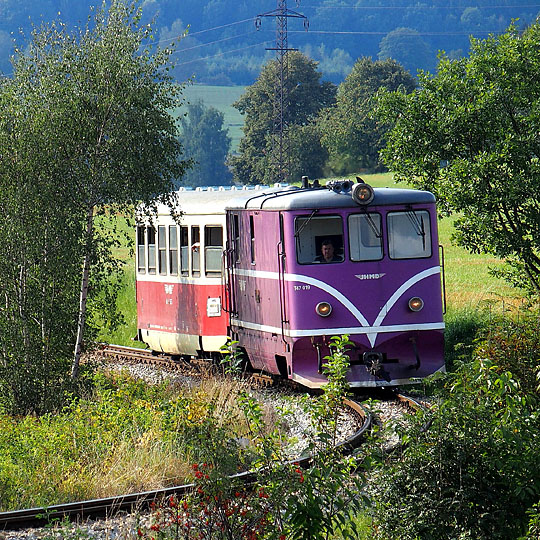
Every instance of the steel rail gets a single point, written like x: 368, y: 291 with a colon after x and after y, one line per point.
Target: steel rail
x: 110, y: 506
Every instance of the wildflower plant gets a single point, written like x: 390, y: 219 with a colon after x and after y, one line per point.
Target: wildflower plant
x: 279, y: 499
x: 233, y: 359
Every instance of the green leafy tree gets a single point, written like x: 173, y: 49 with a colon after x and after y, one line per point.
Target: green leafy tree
x: 38, y: 262
x: 350, y: 133
x: 205, y: 142
x: 470, y: 135
x: 407, y: 47
x: 307, y: 95
x: 87, y: 129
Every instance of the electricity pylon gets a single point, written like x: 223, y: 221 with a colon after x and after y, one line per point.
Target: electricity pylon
x: 280, y: 138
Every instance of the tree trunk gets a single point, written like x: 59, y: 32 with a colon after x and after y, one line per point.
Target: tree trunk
x: 84, y: 293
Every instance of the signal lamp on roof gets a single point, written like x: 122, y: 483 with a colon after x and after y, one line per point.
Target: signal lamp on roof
x: 362, y: 193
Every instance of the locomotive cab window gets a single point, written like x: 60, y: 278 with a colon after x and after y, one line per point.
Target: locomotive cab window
x: 213, y: 250
x: 236, y: 237
x: 409, y: 234
x: 252, y: 239
x: 365, y: 237
x: 319, y: 239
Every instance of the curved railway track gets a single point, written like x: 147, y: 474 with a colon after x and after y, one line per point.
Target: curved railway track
x: 110, y: 506
x: 193, y: 366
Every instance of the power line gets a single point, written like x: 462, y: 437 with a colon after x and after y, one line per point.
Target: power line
x: 224, y: 53
x: 214, y: 42
x: 417, y: 8
x: 190, y: 34
x: 414, y: 33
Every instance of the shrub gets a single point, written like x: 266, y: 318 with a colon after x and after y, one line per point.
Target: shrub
x: 474, y: 473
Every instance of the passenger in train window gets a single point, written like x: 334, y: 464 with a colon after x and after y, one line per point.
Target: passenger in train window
x: 328, y: 253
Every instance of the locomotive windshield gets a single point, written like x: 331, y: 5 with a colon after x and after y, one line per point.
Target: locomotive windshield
x: 409, y: 234
x: 365, y: 237
x: 319, y: 239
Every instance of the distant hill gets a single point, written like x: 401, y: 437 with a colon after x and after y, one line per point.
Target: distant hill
x: 224, y: 47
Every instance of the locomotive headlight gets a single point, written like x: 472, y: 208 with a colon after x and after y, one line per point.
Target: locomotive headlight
x: 323, y: 309
x: 362, y: 193
x: 416, y: 303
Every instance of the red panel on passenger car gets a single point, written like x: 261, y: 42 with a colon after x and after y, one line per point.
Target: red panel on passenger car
x: 179, y: 307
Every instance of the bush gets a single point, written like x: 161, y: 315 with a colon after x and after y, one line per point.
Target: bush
x: 462, y: 328
x: 513, y: 341
x: 475, y: 472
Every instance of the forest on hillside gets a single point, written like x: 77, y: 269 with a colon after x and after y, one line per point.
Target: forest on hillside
x: 224, y: 47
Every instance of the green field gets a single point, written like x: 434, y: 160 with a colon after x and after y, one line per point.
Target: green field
x: 221, y: 98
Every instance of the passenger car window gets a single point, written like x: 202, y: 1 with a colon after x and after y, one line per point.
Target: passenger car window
x: 314, y: 235
x: 151, y: 236
x: 365, y: 237
x: 409, y: 234
x: 195, y: 251
x: 141, y: 264
x: 162, y: 250
x: 173, y: 250
x: 184, y: 251
x: 213, y: 250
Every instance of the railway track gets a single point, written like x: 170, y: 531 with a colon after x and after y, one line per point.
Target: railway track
x: 108, y: 507
x: 191, y: 367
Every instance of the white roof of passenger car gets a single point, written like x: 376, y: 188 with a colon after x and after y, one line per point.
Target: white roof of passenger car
x: 216, y: 200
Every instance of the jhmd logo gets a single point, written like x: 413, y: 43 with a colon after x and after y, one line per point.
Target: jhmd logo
x: 370, y: 276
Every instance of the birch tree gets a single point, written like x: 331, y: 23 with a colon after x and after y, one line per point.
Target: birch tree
x: 88, y: 132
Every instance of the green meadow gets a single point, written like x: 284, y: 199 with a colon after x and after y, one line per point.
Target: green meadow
x: 222, y: 99
x: 469, y: 286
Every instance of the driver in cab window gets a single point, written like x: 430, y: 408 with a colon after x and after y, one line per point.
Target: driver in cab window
x: 328, y: 253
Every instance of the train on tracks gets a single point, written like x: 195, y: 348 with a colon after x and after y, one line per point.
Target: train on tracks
x: 281, y: 270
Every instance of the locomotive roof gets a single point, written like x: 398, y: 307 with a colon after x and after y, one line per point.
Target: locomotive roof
x: 217, y: 200
x: 310, y: 199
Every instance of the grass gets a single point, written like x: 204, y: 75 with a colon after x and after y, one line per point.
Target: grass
x: 126, y: 437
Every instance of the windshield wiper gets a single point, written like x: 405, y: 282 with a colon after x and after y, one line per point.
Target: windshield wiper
x: 373, y: 226
x: 304, y: 225
x: 418, y: 224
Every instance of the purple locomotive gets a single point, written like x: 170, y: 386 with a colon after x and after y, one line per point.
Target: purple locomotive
x: 299, y: 265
